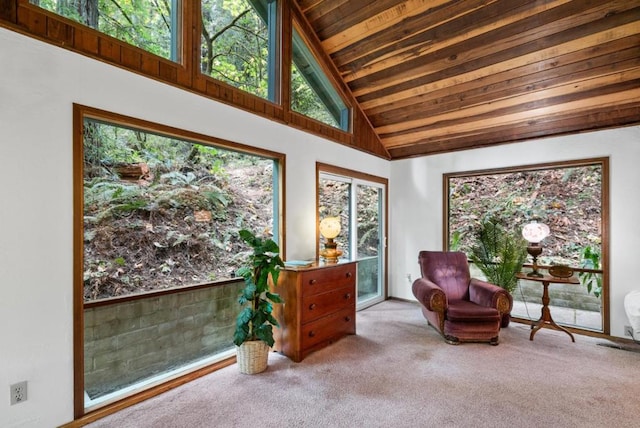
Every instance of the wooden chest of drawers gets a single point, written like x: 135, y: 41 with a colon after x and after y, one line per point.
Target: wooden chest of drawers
x: 319, y: 308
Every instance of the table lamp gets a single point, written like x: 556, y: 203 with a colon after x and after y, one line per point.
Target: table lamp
x: 330, y: 228
x: 534, y: 233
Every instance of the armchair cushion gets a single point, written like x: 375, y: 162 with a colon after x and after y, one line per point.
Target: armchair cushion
x: 466, y: 311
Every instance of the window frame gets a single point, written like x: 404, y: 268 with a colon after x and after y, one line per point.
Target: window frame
x: 323, y: 80
x: 80, y: 113
x: 603, y: 162
x: 354, y: 178
x: 273, y: 10
x: 177, y: 33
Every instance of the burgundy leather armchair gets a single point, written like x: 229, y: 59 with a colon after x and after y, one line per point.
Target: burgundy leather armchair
x: 461, y: 308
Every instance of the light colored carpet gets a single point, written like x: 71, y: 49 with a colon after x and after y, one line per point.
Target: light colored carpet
x: 398, y: 372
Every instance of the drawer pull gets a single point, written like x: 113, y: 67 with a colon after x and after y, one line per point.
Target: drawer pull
x: 312, y: 306
x: 348, y: 274
x: 313, y: 281
x: 312, y: 333
x: 347, y: 296
x: 347, y: 319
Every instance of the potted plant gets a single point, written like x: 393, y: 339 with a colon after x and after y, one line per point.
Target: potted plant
x: 499, y: 255
x: 254, y: 325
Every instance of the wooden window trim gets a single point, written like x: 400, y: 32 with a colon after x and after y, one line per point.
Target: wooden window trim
x: 80, y: 112
x: 604, y: 226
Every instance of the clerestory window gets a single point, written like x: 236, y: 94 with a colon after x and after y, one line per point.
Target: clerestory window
x: 312, y: 93
x: 149, y: 25
x: 238, y: 44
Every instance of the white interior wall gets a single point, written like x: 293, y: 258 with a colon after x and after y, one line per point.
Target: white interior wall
x: 38, y: 85
x: 416, y: 202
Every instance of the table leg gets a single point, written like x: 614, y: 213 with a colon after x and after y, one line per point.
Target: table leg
x: 545, y: 317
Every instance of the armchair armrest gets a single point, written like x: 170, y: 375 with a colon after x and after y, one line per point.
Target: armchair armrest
x: 490, y: 295
x: 429, y: 295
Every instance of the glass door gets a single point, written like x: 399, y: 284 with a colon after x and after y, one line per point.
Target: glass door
x: 359, y: 205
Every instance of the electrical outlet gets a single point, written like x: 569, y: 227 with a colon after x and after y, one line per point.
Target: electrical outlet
x: 628, y: 331
x: 18, y: 392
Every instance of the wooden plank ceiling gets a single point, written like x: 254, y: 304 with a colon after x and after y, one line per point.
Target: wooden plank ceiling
x: 441, y: 75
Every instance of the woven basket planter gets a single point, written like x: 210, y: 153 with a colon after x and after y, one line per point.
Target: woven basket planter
x: 252, y: 356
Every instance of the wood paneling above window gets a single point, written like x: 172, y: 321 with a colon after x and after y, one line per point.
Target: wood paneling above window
x: 22, y: 16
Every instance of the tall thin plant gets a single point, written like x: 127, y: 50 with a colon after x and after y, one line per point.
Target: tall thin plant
x: 499, y: 254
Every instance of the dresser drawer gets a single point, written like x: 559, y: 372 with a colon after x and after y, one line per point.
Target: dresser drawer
x: 328, y: 329
x: 319, y: 305
x: 323, y: 280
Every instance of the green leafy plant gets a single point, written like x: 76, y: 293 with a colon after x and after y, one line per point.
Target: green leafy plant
x: 591, y: 280
x: 255, y: 321
x: 498, y: 254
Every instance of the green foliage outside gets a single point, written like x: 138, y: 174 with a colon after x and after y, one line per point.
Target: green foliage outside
x: 305, y: 100
x: 255, y: 321
x: 235, y: 45
x: 234, y: 41
x: 567, y: 199
x: 142, y: 23
x: 176, y: 224
x: 591, y: 280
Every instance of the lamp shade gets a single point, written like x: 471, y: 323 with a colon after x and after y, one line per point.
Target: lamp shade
x: 330, y: 227
x: 535, y: 232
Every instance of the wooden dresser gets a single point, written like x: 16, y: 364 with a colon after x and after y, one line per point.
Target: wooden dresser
x: 319, y: 307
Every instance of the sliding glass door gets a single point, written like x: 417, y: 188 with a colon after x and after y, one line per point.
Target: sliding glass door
x: 360, y: 206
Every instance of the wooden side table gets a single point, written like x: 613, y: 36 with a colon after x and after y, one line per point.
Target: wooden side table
x: 545, y: 318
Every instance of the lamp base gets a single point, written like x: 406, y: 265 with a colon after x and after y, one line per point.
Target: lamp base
x: 330, y: 255
x: 534, y: 249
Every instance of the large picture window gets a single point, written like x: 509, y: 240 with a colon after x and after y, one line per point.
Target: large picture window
x: 158, y: 213
x: 149, y: 25
x: 570, y: 198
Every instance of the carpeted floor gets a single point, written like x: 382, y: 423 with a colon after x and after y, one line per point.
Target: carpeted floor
x: 398, y: 372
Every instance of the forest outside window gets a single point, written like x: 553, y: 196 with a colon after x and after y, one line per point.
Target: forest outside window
x: 156, y: 250
x: 312, y: 94
x: 571, y: 199
x: 238, y: 44
x: 163, y: 212
x: 149, y: 25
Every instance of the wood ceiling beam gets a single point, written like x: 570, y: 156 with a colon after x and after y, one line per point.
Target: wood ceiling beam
x: 434, y: 37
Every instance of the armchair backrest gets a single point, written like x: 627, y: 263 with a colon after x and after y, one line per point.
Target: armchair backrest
x: 447, y: 269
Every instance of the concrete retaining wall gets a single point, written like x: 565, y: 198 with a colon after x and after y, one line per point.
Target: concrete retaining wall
x: 126, y: 342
